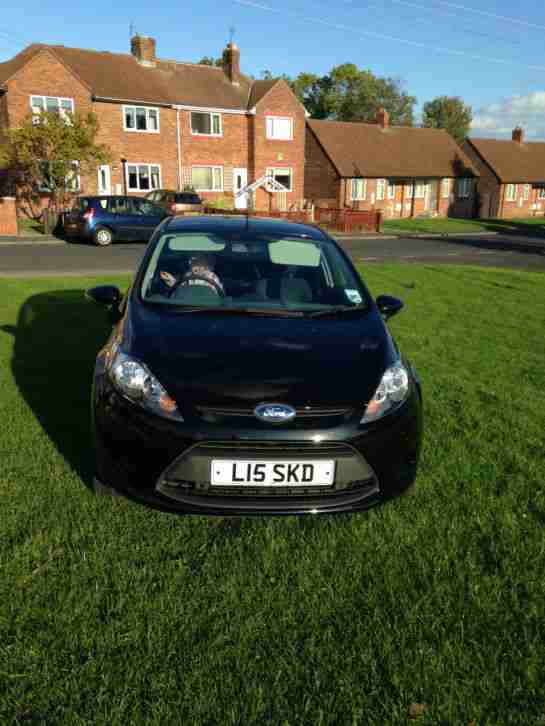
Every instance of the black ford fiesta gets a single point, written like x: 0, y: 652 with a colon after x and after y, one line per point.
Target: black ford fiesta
x: 249, y: 371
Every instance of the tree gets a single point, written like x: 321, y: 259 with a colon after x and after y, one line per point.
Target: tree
x: 347, y: 93
x: 449, y: 113
x: 209, y: 61
x: 48, y: 154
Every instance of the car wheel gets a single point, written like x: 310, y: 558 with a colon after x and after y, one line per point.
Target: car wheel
x: 103, y: 237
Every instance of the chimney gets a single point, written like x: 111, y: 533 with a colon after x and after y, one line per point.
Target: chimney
x: 231, y: 62
x: 383, y: 118
x: 518, y: 134
x: 143, y: 49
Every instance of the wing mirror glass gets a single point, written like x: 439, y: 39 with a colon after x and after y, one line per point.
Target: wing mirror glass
x: 389, y: 306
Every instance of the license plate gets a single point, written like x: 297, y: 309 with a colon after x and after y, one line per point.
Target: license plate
x: 229, y: 473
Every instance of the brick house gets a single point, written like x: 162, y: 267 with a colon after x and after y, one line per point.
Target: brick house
x: 399, y: 170
x: 168, y: 124
x: 512, y: 175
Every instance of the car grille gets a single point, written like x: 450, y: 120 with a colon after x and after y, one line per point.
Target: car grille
x: 306, y: 416
x: 190, y: 473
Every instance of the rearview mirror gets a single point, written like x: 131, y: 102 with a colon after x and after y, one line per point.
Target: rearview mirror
x: 104, y: 295
x: 388, y: 305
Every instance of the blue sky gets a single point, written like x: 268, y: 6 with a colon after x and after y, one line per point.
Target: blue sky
x: 491, y: 53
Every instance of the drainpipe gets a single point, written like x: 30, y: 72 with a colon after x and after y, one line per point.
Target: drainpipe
x: 178, y: 149
x: 124, y: 167
x: 503, y: 189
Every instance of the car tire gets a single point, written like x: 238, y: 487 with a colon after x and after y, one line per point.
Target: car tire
x: 102, y: 237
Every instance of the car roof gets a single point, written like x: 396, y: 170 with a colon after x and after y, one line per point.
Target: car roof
x: 233, y: 224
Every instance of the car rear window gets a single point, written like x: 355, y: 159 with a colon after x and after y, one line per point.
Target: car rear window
x: 188, y: 199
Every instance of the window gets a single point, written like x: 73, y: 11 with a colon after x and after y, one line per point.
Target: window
x: 207, y: 178
x: 445, y: 188
x: 526, y: 192
x: 62, y: 106
x: 359, y: 189
x: 511, y: 193
x: 143, y: 177
x: 279, y: 128
x: 141, y: 118
x: 282, y: 176
x: 464, y: 188
x: 72, y: 181
x: 381, y: 188
x: 206, y: 124
x: 541, y: 193
x: 420, y: 190
x: 391, y: 190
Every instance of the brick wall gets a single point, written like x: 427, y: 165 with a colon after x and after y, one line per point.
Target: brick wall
x: 280, y: 101
x: 519, y: 206
x: 321, y: 179
x: 8, y: 216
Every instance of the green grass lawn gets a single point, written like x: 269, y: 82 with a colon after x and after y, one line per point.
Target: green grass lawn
x: 532, y: 226
x: 112, y: 614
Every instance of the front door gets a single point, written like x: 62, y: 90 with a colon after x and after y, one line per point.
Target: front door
x: 240, y: 180
x: 104, y: 179
x: 431, y: 196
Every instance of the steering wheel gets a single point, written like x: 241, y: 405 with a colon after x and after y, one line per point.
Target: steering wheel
x: 210, y: 284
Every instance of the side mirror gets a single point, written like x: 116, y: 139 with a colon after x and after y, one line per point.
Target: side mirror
x: 389, y: 306
x: 107, y: 295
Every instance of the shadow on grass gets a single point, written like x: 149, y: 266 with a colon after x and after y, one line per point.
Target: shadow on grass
x: 57, y: 337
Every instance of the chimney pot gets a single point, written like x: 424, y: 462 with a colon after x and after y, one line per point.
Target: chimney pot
x: 231, y: 63
x: 383, y: 118
x: 143, y: 49
x: 518, y: 134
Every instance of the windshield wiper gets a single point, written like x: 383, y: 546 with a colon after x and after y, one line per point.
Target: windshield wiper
x: 338, y: 310
x: 239, y: 311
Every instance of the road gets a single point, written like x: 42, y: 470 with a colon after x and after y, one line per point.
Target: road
x: 83, y: 259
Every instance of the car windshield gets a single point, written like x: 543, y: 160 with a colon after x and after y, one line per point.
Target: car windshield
x: 248, y: 272
x: 187, y: 199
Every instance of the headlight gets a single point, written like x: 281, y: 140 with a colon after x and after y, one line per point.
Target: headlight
x: 393, y: 388
x: 138, y: 384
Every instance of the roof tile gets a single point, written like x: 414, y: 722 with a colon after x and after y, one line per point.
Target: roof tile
x: 513, y: 162
x: 368, y: 150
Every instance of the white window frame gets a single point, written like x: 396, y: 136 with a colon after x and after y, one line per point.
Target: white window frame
x: 206, y: 113
x: 147, y: 110
x: 464, y: 187
x: 511, y: 193
x: 353, y: 184
x: 526, y: 192
x: 269, y: 128
x: 445, y: 188
x: 36, y: 116
x: 212, y: 167
x: 381, y: 190
x: 541, y: 193
x: 138, y: 164
x: 420, y: 190
x: 391, y: 189
x: 272, y: 171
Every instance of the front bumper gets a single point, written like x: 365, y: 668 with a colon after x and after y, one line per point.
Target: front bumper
x: 166, y: 464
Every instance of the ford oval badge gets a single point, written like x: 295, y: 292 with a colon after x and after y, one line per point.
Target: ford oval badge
x: 274, y: 413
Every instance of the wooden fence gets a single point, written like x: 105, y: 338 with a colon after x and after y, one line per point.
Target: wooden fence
x: 340, y: 220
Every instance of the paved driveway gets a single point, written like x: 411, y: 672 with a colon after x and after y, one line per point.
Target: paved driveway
x: 54, y: 259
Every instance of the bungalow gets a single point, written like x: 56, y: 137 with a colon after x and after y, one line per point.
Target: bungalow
x: 512, y: 175
x: 400, y: 170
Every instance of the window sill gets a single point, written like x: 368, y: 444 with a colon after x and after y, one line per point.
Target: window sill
x: 207, y: 136
x: 275, y: 139
x: 142, y: 131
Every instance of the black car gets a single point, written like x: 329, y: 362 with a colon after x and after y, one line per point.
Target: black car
x: 250, y: 371
x: 107, y: 219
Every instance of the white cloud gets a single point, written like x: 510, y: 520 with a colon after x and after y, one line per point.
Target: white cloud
x: 499, y: 119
